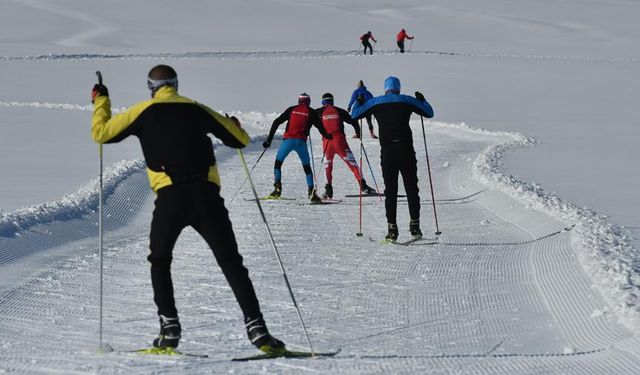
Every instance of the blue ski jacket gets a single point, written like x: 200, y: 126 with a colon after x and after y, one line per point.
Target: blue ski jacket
x: 360, y: 91
x: 392, y: 112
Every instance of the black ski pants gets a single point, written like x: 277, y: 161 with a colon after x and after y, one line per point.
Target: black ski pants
x: 401, y: 45
x: 400, y: 158
x: 366, y: 45
x: 200, y: 206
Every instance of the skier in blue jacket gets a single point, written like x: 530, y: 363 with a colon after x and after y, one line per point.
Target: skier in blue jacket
x: 361, y: 91
x: 397, y: 156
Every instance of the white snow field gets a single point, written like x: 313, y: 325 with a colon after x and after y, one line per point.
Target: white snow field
x: 527, y: 277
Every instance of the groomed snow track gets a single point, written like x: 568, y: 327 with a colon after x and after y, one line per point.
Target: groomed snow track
x: 503, y: 293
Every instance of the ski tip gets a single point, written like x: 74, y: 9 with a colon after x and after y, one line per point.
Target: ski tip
x: 168, y: 352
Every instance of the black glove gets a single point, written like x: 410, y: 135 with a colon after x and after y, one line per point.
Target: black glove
x: 420, y: 97
x: 349, y: 109
x: 361, y: 100
x: 266, y: 144
x: 99, y: 90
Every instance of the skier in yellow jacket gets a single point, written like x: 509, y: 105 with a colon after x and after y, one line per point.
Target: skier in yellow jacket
x: 182, y: 170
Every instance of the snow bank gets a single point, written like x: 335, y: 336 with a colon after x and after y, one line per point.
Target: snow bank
x: 71, y: 206
x: 85, y: 200
x: 604, y: 249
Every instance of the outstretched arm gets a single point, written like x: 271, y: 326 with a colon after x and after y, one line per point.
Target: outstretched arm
x: 421, y: 105
x: 277, y: 122
x: 227, y: 129
x: 315, y: 120
x: 363, y: 109
x: 107, y: 129
x: 346, y: 117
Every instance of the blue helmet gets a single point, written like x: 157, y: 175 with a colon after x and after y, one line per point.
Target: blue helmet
x: 392, y: 84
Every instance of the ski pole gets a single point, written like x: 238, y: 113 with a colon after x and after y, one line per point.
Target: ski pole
x: 433, y: 199
x: 100, y: 231
x: 275, y: 249
x: 322, y: 159
x: 410, y: 45
x: 371, y: 170
x: 313, y: 166
x: 245, y: 179
x: 359, y: 234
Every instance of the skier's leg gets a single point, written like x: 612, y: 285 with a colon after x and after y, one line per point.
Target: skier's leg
x: 166, y: 225
x: 343, y: 150
x: 390, y: 172
x: 409, y: 171
x: 285, y: 148
x: 303, y: 153
x: 213, y: 224
x: 329, y: 154
x: 370, y: 124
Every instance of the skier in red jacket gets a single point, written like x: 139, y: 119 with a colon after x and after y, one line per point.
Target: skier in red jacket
x: 299, y: 120
x: 365, y: 42
x: 402, y: 35
x: 333, y: 119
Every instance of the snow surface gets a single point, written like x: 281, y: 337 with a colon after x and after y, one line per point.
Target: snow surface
x: 528, y: 277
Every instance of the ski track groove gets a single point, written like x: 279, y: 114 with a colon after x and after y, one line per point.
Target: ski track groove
x: 524, y: 308
x: 306, y: 54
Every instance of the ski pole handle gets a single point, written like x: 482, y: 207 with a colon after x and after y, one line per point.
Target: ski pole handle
x: 99, y: 77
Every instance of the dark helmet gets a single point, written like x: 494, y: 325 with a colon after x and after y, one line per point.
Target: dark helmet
x: 304, y: 98
x: 327, y: 98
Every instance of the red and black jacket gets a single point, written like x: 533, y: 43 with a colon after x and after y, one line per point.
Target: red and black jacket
x: 333, y: 119
x: 299, y: 120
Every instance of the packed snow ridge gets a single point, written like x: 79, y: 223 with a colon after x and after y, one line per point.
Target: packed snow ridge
x: 604, y: 249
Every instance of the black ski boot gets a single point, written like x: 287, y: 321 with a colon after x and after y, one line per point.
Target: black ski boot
x: 328, y: 191
x: 170, y: 332
x: 366, y: 189
x: 277, y: 192
x: 392, y: 234
x: 414, y: 228
x: 261, y: 338
x: 313, y: 197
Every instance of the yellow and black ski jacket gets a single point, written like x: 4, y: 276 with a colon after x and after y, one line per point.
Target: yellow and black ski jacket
x: 172, y: 130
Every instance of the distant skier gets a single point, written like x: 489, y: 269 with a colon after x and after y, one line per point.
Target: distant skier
x: 402, y: 35
x: 361, y: 91
x: 173, y: 132
x: 299, y: 119
x: 397, y: 156
x: 333, y: 119
x: 365, y: 42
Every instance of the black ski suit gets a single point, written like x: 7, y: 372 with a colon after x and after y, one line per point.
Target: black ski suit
x: 397, y: 155
x: 182, y: 171
x: 365, y: 42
